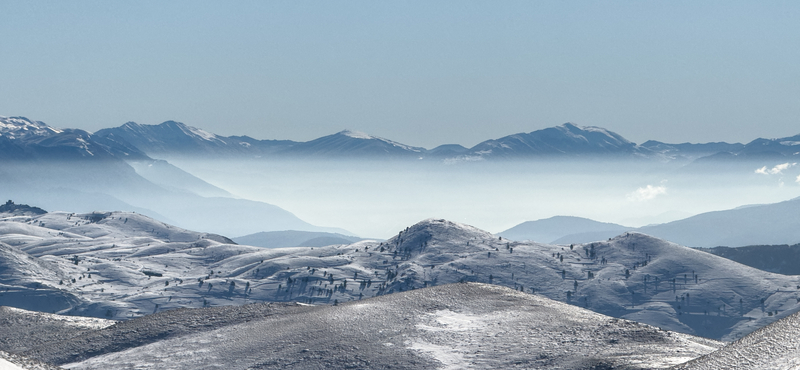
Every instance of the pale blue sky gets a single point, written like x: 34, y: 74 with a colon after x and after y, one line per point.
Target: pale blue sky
x: 420, y: 72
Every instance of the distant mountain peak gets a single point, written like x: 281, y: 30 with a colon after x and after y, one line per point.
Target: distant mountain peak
x: 21, y: 127
x: 579, y: 130
x: 567, y: 139
x: 356, y: 135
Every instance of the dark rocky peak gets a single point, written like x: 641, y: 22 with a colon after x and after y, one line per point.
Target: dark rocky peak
x: 21, y: 209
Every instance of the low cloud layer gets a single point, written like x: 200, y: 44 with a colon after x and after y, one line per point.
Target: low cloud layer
x: 646, y: 193
x: 777, y: 170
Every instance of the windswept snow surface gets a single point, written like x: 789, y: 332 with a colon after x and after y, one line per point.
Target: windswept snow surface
x: 456, y: 326
x: 123, y: 265
x: 22, y: 330
x: 776, y: 347
x: 10, y: 361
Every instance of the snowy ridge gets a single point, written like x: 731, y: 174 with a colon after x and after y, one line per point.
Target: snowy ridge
x: 205, y: 135
x: 363, y: 136
x: 22, y: 128
x: 172, y: 137
x: 356, y: 135
x: 140, y: 266
x: 24, y: 139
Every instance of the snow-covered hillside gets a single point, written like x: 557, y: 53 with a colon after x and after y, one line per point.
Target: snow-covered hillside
x: 122, y: 265
x: 451, y: 326
x: 23, y: 329
x: 775, y: 347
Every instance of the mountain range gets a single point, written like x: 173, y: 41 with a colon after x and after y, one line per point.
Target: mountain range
x: 112, y: 169
x: 763, y: 224
x: 24, y: 138
x: 564, y: 141
x: 77, y: 170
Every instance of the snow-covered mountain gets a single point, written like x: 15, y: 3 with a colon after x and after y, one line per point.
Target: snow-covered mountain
x: 471, y: 325
x: 177, y: 138
x: 24, y: 139
x: 352, y: 144
x: 23, y: 128
x: 567, y: 140
x: 564, y: 141
x: 76, y: 170
x: 139, y: 266
x: 786, y: 147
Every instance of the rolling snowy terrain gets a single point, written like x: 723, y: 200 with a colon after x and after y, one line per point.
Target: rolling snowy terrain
x: 451, y: 326
x: 120, y: 265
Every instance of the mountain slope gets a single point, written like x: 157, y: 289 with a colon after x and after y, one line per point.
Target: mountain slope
x: 166, y: 175
x: 74, y: 170
x: 764, y: 224
x: 23, y: 329
x: 294, y: 238
x: 780, y: 259
x: 31, y: 283
x: 760, y: 224
x: 775, y: 347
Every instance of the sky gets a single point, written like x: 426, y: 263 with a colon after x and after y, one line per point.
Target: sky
x: 419, y: 72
